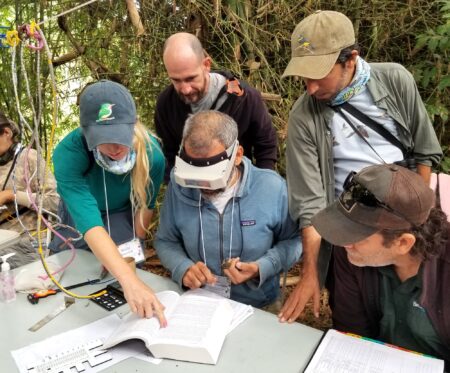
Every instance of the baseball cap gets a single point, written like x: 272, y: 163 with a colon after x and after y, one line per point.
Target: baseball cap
x: 316, y: 43
x: 107, y: 114
x: 379, y: 197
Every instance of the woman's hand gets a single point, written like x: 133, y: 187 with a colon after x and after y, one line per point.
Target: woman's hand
x: 140, y: 297
x: 142, y: 300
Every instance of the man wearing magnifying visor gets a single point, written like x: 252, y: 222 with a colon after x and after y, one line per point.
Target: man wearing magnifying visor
x: 224, y: 225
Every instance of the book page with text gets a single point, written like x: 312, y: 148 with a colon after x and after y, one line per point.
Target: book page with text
x: 339, y: 353
x: 196, y: 330
x: 192, y: 319
x: 133, y: 326
x: 241, y: 311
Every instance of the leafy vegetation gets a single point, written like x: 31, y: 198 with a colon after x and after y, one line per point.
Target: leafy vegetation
x: 249, y: 37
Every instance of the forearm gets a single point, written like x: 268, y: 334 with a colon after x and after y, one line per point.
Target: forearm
x: 311, y: 246
x: 173, y: 257
x: 107, y: 253
x: 279, y: 258
x: 425, y: 172
x: 142, y: 222
x: 139, y: 296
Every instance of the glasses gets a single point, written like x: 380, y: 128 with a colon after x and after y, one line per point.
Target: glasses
x: 355, y: 193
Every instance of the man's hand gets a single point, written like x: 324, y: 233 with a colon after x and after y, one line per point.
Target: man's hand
x: 6, y: 196
x: 307, y: 287
x: 240, y: 272
x: 198, y: 275
x: 142, y: 300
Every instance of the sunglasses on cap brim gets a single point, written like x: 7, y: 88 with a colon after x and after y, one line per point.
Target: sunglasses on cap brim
x: 355, y: 193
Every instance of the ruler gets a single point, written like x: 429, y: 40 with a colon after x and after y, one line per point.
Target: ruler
x: 68, y: 301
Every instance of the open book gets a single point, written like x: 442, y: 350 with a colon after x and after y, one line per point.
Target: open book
x: 341, y: 352
x: 197, y: 326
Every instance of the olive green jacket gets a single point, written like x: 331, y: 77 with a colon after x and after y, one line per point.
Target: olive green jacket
x: 309, y: 153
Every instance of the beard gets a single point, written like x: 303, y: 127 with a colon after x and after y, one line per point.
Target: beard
x: 210, y: 194
x: 195, y: 96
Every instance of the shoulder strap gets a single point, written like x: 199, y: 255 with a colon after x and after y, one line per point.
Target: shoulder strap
x: 16, y: 155
x: 233, y: 88
x: 338, y: 109
x: 374, y: 125
x: 90, y: 155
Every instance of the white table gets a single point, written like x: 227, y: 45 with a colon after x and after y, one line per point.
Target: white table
x: 8, y: 238
x: 261, y: 344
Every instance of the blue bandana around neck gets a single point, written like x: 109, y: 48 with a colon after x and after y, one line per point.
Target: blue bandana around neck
x: 362, y: 75
x: 119, y: 167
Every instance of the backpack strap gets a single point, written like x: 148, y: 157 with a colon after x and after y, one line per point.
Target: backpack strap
x: 233, y: 88
x: 18, y: 149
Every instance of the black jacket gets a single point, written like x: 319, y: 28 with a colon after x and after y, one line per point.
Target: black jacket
x: 255, y: 131
x: 356, y: 296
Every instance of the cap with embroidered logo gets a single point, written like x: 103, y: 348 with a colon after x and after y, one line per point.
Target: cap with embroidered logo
x: 107, y: 114
x: 316, y: 43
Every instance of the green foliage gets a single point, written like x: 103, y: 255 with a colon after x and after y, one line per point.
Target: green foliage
x: 432, y: 73
x: 249, y: 37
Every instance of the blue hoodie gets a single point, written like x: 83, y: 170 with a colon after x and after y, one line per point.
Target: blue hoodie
x: 263, y: 233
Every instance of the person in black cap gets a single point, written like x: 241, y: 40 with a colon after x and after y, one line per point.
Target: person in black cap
x: 392, y: 269
x: 108, y: 175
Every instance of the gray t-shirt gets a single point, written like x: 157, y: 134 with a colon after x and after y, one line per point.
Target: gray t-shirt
x: 350, y: 152
x: 216, y: 82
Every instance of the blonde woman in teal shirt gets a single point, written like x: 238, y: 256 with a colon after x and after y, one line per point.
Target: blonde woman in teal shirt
x: 108, y: 175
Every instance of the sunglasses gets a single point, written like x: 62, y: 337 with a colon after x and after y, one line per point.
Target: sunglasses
x: 355, y: 193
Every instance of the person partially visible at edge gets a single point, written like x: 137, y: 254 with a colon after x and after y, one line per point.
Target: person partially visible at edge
x: 108, y: 173
x: 322, y: 148
x: 20, y: 169
x: 195, y: 88
x: 232, y: 237
x: 392, y: 260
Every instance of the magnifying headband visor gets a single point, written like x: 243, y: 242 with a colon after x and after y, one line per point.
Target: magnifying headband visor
x: 205, y: 173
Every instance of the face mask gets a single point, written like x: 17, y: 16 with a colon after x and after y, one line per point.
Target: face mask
x: 119, y: 167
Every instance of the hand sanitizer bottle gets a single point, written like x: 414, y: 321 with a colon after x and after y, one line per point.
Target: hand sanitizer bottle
x: 7, y: 290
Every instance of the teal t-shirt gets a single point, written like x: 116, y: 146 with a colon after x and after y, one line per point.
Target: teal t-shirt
x: 84, y: 193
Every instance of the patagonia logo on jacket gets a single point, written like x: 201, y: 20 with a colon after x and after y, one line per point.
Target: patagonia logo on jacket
x: 247, y: 223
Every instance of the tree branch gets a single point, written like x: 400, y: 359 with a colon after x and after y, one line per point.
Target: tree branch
x: 135, y: 18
